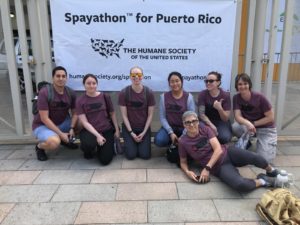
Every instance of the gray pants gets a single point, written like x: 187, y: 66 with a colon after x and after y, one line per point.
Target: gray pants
x: 134, y: 149
x: 266, y: 144
x: 230, y: 175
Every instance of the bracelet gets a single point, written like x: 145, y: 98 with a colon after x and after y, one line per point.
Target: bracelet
x: 130, y: 132
x: 208, y: 168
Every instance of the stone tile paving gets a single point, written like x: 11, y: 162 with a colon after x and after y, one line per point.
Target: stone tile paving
x: 68, y: 189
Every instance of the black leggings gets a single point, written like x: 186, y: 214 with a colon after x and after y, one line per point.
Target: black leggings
x: 105, y: 152
x: 230, y: 175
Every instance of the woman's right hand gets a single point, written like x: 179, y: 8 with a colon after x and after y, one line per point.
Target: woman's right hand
x: 192, y: 175
x: 101, y: 140
x: 174, y: 138
x: 251, y: 127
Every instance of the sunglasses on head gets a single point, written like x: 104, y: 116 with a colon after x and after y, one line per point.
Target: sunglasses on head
x: 136, y: 74
x: 209, y: 81
x: 190, y: 122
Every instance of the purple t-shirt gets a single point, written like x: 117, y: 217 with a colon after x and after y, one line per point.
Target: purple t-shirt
x: 205, y: 99
x: 199, y: 147
x: 95, y: 110
x: 137, y: 108
x: 253, y: 109
x: 58, y: 108
x: 175, y: 108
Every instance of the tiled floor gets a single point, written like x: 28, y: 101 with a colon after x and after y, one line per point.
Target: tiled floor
x: 68, y: 189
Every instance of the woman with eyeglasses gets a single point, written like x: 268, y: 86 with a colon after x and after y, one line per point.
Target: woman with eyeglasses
x: 97, y: 116
x: 253, y: 113
x: 136, y: 103
x: 214, y: 107
x: 171, y: 107
x: 201, y: 144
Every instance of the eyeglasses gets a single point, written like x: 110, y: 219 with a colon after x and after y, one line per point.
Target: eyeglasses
x: 190, y: 122
x: 136, y: 74
x: 210, y: 81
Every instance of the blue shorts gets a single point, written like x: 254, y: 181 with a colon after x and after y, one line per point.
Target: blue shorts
x: 42, y: 133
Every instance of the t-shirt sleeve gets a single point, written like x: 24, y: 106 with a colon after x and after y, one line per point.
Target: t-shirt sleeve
x: 42, y: 102
x: 73, y: 99
x: 79, y: 106
x: 227, y: 101
x: 181, y: 148
x: 121, y: 98
x: 109, y: 103
x: 235, y: 103
x: 201, y: 99
x: 151, y: 98
x: 265, y: 104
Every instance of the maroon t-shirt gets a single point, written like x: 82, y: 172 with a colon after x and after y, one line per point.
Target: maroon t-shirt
x: 175, y: 108
x: 137, y: 107
x: 199, y: 147
x: 253, y: 109
x: 204, y: 98
x: 96, y: 111
x: 58, y: 108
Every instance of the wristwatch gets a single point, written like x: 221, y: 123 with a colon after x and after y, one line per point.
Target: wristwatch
x: 208, y: 168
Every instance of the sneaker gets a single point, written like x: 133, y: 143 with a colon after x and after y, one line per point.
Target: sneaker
x: 270, y: 181
x: 40, y: 154
x: 249, y: 144
x: 274, y: 173
x: 69, y: 145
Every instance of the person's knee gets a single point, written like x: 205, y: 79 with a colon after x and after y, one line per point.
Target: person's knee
x: 159, y: 141
x: 51, y: 143
x: 130, y: 156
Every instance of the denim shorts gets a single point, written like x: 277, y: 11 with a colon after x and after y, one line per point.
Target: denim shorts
x: 42, y: 133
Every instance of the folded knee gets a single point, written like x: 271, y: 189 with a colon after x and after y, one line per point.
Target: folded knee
x: 52, y: 143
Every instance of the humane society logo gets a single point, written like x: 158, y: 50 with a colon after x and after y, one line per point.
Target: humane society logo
x: 107, y: 48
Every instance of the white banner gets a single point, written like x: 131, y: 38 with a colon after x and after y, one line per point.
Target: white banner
x: 108, y: 37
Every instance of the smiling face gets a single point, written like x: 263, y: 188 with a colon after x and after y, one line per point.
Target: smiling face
x: 212, y: 82
x: 175, y: 83
x: 59, y: 78
x: 90, y: 85
x: 243, y: 87
x: 136, y: 75
x: 191, y: 123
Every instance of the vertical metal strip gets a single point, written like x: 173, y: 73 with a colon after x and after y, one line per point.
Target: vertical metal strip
x: 25, y: 57
x: 250, y: 32
x: 258, y: 44
x: 35, y: 39
x: 284, y: 61
x: 42, y: 10
x: 12, y: 66
x: 271, y: 50
x: 236, y: 44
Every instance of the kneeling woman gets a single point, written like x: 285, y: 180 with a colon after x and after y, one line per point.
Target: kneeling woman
x: 202, y: 145
x: 95, y: 112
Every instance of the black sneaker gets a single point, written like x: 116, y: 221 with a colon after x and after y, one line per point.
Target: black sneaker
x: 270, y: 181
x: 274, y: 173
x: 40, y: 154
x: 69, y: 145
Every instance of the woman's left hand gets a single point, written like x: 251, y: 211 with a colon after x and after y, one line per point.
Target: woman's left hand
x: 204, y: 176
x: 140, y: 136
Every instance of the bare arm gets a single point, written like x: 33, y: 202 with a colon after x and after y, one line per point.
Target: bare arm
x: 217, y: 152
x: 269, y: 117
x: 185, y: 169
x: 241, y: 120
x: 85, y: 123
x: 115, y: 123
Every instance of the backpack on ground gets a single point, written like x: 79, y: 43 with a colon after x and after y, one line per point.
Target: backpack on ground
x: 279, y: 206
x: 50, y: 91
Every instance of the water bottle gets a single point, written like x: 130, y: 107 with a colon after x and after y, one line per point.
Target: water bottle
x: 284, y: 179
